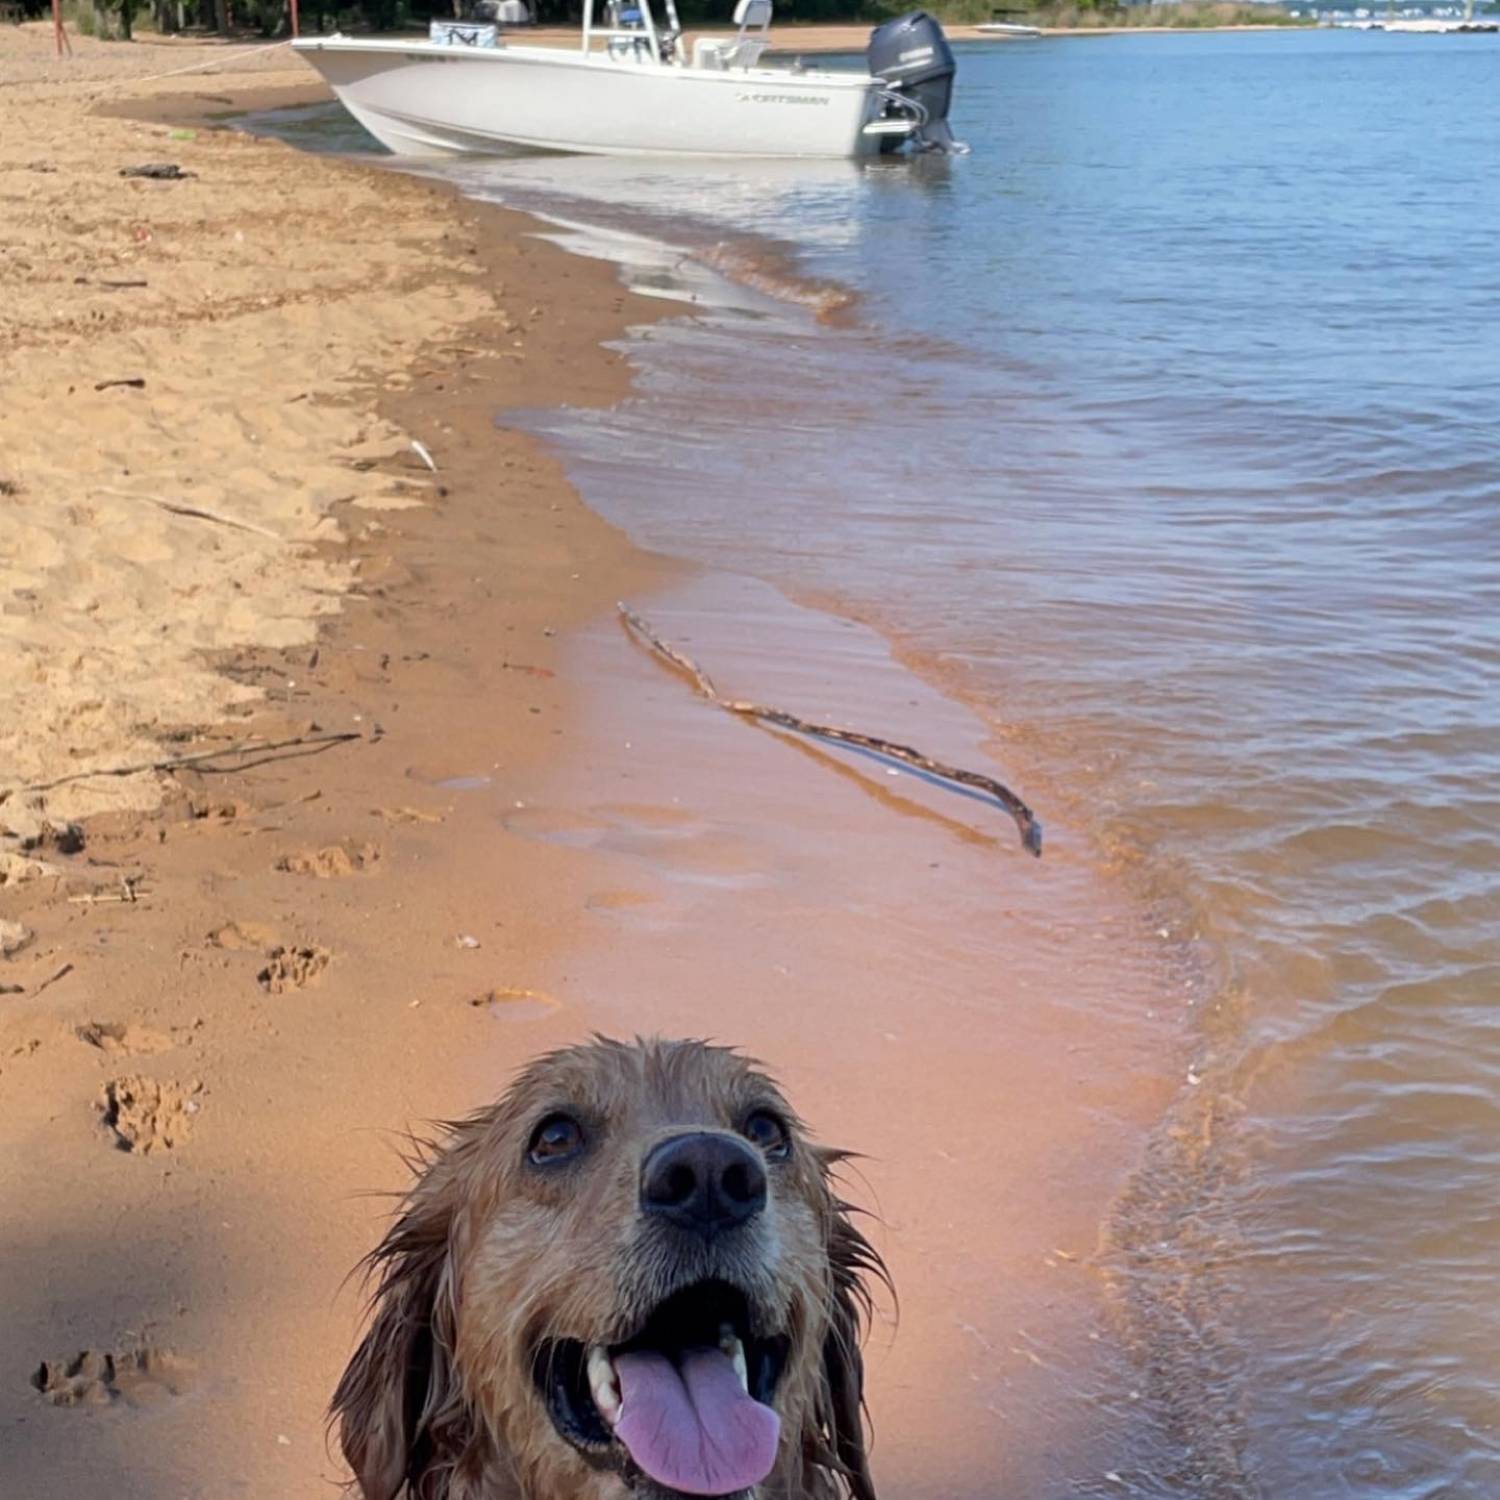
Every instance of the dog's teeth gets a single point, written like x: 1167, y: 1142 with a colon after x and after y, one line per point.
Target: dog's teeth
x: 602, y: 1384
x: 729, y: 1342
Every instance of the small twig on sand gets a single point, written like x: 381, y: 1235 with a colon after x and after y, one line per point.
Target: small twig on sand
x: 194, y: 512
x: 135, y: 382
x: 199, y: 758
x: 1025, y: 819
x: 162, y: 171
x: 128, y: 894
x: 52, y: 979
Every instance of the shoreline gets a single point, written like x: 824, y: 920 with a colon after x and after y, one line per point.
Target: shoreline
x: 480, y: 639
x: 289, y: 974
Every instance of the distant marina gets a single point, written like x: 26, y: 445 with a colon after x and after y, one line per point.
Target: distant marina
x: 1426, y: 25
x: 1426, y: 20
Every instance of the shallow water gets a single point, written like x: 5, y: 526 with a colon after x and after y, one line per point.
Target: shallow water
x: 1162, y: 430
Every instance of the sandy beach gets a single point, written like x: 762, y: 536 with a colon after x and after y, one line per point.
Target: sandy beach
x: 431, y: 811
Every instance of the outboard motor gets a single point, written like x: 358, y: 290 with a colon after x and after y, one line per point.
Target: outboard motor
x: 913, y: 57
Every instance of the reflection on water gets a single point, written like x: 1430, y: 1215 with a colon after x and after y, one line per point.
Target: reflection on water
x: 660, y: 218
x: 1166, y: 435
x: 659, y: 205
x: 315, y: 127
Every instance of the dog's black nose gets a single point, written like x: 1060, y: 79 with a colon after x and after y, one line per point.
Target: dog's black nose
x: 703, y: 1182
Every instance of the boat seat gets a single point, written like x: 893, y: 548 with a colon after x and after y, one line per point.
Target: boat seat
x: 710, y: 52
x: 753, y: 17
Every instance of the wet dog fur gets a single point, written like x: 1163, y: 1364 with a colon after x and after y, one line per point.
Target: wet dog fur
x: 524, y: 1240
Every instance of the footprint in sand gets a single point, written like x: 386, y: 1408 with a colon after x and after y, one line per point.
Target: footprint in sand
x: 291, y: 968
x: 331, y: 862
x: 13, y: 937
x: 511, y: 1003
x: 133, y: 1376
x: 18, y: 869
x: 405, y: 814
x: 144, y: 1115
x: 221, y: 811
x: 555, y: 826
x: 641, y: 911
x: 618, y: 900
x: 288, y: 966
x: 122, y: 1037
x: 446, y: 779
x: 237, y: 937
x: 676, y: 844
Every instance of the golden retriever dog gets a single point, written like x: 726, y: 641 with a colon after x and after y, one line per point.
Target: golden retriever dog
x: 631, y: 1277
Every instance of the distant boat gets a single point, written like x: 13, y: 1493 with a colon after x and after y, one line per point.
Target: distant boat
x: 1007, y: 28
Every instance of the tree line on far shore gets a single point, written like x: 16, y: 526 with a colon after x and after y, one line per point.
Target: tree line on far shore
x: 271, y: 18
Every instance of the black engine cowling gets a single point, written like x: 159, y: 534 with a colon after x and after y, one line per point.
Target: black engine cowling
x: 913, y: 57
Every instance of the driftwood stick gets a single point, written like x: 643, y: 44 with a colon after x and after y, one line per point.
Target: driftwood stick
x: 194, y: 512
x: 174, y: 762
x: 1025, y: 819
x: 52, y: 979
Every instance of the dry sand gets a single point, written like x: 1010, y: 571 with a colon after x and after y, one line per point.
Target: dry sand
x: 225, y: 995
x: 151, y: 523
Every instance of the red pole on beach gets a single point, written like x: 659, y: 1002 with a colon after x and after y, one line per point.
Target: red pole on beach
x: 295, y: 31
x: 57, y: 30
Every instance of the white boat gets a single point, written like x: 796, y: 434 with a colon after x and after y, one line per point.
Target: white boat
x: 631, y: 90
x: 1007, y: 28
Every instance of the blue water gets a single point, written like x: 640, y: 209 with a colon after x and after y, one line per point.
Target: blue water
x: 1165, y: 428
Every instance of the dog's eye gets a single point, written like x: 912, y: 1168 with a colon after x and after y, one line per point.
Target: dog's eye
x: 557, y: 1138
x: 763, y: 1129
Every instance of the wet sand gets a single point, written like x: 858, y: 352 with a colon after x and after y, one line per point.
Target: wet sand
x: 256, y: 971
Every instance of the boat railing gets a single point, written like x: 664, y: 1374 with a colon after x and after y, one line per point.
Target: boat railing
x: 639, y: 35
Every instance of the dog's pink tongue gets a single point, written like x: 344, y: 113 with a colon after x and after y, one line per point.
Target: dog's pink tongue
x: 692, y: 1427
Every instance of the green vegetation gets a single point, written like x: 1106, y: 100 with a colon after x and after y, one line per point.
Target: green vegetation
x: 118, y: 19
x: 113, y: 20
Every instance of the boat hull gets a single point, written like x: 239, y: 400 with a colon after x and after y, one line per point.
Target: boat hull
x: 431, y: 100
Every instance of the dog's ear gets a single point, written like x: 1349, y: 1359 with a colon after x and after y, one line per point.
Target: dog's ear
x: 852, y: 1261
x: 403, y: 1424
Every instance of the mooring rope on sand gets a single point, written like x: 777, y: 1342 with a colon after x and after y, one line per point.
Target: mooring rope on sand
x: 215, y: 62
